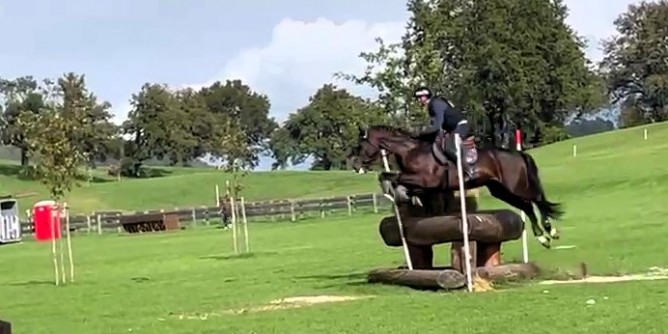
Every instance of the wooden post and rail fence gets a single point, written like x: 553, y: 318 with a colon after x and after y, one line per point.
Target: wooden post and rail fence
x: 264, y: 211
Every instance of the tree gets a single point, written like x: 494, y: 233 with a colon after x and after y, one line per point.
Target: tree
x: 19, y: 95
x: 94, y: 118
x: 158, y: 126
x: 248, y: 109
x: 386, y: 72
x: 502, y: 61
x: 52, y: 135
x: 326, y: 129
x: 635, y: 63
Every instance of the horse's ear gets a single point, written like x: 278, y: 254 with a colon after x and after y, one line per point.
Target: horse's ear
x: 362, y: 130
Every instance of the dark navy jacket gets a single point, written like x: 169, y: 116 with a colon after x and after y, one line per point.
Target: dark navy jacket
x: 443, y: 116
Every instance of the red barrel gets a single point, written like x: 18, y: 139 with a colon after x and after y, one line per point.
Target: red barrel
x: 47, y: 220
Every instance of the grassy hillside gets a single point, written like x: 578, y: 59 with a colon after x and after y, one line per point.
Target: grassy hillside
x: 184, y: 187
x: 614, y: 194
x: 598, y: 157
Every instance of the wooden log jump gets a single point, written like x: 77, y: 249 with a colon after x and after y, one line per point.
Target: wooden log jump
x: 150, y: 222
x: 437, y: 223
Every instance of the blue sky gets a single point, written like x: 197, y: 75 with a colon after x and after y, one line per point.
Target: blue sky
x: 285, y: 49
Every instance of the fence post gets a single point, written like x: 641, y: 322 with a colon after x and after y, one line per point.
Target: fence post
x: 206, y: 215
x: 292, y: 211
x: 349, y: 201
x: 321, y: 207
x: 88, y: 223
x: 375, y: 203
x: 99, y: 224
x: 194, y: 215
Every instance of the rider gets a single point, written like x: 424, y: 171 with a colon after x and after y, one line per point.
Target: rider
x: 445, y: 117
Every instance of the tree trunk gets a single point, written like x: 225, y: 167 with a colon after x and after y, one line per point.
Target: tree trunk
x: 25, y: 161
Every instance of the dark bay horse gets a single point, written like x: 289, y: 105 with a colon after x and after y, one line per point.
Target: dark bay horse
x: 510, y: 176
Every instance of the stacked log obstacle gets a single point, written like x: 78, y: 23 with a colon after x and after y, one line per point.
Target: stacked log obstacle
x: 439, y: 222
x: 150, y: 222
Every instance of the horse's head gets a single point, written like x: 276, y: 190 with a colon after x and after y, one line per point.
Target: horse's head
x: 370, y: 143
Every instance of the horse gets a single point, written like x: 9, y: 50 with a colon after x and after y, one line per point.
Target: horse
x: 510, y: 176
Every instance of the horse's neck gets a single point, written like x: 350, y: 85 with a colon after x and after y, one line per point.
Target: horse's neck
x: 399, y: 147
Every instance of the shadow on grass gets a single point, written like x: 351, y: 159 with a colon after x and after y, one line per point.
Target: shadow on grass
x: 146, y: 173
x: 236, y: 256
x: 16, y: 171
x: 95, y: 179
x: 337, y: 280
x: 153, y: 172
x: 32, y: 283
x: 140, y: 279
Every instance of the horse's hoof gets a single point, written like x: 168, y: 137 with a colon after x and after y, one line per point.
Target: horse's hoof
x: 554, y: 234
x: 400, y: 199
x: 544, y: 241
x: 400, y: 193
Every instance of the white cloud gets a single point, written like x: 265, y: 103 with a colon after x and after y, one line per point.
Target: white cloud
x: 302, y: 56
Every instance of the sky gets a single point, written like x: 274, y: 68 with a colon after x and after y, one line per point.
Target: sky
x: 285, y: 49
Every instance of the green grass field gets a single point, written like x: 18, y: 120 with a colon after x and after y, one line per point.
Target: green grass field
x: 613, y: 193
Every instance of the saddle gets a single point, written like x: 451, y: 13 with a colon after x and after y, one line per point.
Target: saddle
x: 468, y: 146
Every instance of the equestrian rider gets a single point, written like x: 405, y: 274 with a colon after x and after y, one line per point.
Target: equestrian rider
x: 445, y: 117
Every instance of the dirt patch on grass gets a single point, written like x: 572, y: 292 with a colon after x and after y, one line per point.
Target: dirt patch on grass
x: 278, y: 304
x: 654, y: 273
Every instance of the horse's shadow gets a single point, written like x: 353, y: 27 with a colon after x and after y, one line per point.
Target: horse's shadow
x: 32, y: 283
x: 334, y: 280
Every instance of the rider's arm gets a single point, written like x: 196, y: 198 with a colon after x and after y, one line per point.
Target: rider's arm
x: 437, y: 119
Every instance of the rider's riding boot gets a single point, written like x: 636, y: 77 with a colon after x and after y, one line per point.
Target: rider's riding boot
x: 470, y: 172
x: 468, y: 169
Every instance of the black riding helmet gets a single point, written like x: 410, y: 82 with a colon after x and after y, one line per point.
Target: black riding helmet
x: 422, y: 91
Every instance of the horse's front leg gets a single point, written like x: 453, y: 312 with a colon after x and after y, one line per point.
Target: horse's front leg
x: 386, y: 180
x: 394, y: 189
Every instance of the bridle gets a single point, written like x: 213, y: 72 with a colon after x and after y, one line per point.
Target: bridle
x: 371, y: 158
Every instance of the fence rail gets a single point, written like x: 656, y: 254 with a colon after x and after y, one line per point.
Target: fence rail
x: 292, y: 210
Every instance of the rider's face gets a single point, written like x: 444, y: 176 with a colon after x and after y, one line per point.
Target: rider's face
x: 423, y: 100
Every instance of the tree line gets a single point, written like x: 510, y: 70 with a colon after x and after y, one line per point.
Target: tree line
x: 506, y: 63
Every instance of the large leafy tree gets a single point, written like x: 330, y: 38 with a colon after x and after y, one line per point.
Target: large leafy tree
x: 636, y: 65
x: 326, y: 129
x: 52, y: 137
x: 96, y: 131
x: 236, y: 102
x: 158, y: 127
x: 21, y: 95
x: 503, y: 61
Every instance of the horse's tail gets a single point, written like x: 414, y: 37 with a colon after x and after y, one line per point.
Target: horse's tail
x: 547, y: 209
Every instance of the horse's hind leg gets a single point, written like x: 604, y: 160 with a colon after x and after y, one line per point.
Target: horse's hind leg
x: 499, y: 191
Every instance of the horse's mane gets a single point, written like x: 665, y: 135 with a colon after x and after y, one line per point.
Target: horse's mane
x: 483, y: 142
x: 394, y: 130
